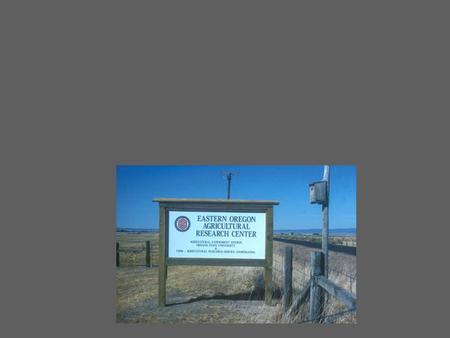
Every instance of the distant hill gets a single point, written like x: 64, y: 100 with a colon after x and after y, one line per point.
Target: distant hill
x: 335, y: 232
x: 136, y: 230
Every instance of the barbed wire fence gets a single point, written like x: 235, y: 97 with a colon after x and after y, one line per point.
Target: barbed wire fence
x: 134, y: 254
x: 332, y: 311
x: 130, y: 254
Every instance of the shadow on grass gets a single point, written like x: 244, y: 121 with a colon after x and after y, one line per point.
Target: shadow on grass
x: 257, y: 294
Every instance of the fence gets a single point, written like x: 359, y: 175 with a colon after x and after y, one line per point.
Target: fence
x: 346, y: 247
x: 146, y: 253
x: 138, y: 254
x: 315, y: 289
x: 341, y: 275
x: 300, y: 284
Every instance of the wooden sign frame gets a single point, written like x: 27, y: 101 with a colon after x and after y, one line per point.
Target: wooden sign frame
x: 214, y: 205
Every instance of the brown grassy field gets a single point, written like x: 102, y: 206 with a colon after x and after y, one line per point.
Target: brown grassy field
x: 317, y: 238
x: 199, y: 294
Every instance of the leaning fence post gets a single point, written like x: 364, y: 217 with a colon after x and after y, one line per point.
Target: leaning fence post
x: 147, y: 253
x: 287, y: 272
x: 117, y: 254
x: 316, y: 299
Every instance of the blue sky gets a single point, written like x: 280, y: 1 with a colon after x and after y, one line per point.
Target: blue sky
x: 136, y: 186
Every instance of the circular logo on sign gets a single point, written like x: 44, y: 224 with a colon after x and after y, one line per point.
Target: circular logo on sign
x: 182, y: 223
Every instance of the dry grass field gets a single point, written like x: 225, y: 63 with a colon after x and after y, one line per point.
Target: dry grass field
x: 202, y: 294
x: 317, y: 238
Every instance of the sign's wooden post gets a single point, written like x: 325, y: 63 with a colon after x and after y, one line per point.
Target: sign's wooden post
x: 215, y: 232
x: 162, y: 256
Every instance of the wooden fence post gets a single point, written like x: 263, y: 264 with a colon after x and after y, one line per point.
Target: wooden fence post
x: 316, y: 299
x: 150, y: 250
x: 117, y: 254
x: 287, y: 272
x: 147, y: 253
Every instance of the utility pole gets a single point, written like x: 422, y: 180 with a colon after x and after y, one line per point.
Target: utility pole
x: 229, y: 175
x: 319, y: 193
x: 325, y: 213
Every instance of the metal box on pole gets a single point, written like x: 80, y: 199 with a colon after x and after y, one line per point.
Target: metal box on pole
x: 318, y: 192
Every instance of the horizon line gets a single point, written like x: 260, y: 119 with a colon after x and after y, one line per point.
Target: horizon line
x: 154, y: 228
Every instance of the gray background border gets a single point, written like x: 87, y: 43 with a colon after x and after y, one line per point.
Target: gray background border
x: 86, y: 87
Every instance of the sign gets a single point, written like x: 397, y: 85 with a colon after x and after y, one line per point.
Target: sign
x: 215, y: 232
x: 233, y: 235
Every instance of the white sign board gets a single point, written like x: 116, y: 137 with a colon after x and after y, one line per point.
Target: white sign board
x: 238, y: 235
